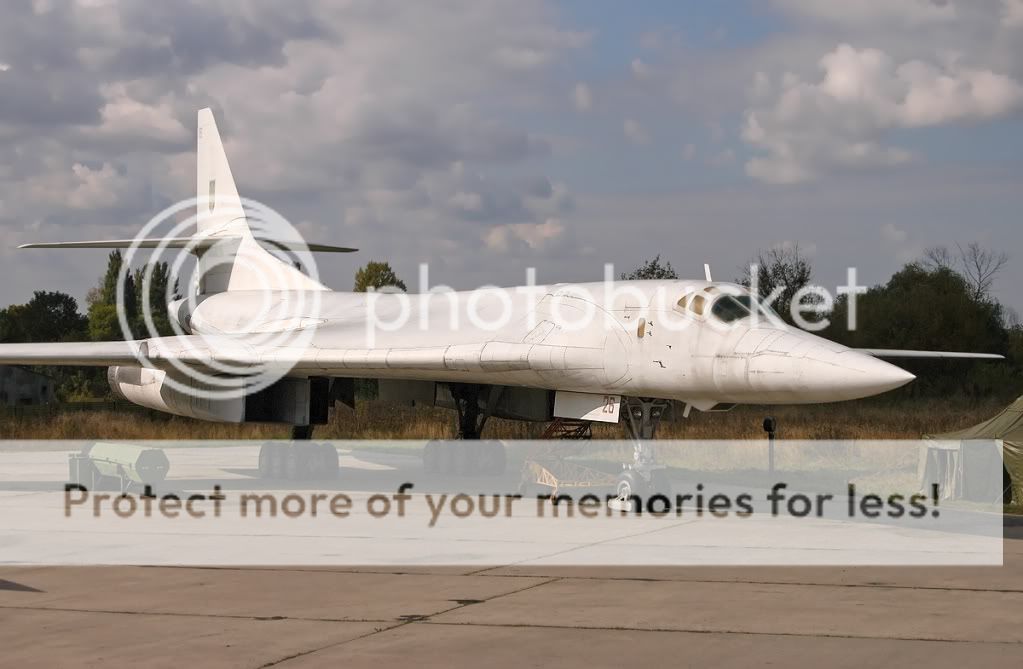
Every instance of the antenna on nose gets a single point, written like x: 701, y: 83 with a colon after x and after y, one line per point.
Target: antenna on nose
x: 706, y: 271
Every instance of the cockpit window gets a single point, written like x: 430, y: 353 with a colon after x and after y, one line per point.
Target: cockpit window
x: 728, y: 308
x: 765, y: 309
x: 698, y: 304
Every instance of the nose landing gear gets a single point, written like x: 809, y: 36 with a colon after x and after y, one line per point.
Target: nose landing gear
x: 644, y: 477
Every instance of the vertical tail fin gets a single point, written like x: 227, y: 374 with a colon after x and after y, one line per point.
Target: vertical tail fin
x: 219, y: 206
x: 236, y: 261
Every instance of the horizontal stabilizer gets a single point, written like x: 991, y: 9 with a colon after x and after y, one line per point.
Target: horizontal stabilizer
x: 197, y: 243
x: 901, y: 353
x: 90, y: 353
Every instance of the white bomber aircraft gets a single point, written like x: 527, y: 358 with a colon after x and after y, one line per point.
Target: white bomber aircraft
x: 577, y: 352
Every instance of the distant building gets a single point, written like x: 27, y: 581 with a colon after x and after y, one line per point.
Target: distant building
x: 23, y: 387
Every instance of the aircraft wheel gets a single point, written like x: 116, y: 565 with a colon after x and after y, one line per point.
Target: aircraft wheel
x: 308, y: 461
x: 432, y: 457
x: 466, y: 456
x: 265, y: 460
x: 330, y: 465
x: 277, y: 461
x: 445, y: 458
x: 493, y: 459
x: 629, y: 489
x: 295, y: 463
x: 311, y: 461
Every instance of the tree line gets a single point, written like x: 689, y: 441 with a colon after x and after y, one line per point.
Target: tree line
x: 54, y: 317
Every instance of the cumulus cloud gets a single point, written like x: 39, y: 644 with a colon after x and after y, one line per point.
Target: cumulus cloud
x: 640, y: 69
x: 872, y: 11
x: 388, y: 117
x: 408, y: 129
x: 896, y: 241
x: 722, y: 158
x: 1012, y: 13
x: 79, y: 187
x: 892, y: 234
x: 534, y: 235
x: 808, y: 127
x: 96, y: 188
x: 582, y: 97
x: 635, y: 132
x: 125, y: 119
x: 536, y: 48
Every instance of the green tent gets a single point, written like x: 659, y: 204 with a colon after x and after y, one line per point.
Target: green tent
x: 957, y: 458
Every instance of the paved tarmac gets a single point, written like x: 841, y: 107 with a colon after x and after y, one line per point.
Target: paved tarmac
x: 514, y: 616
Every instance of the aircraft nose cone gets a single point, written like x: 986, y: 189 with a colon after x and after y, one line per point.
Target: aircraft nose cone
x: 846, y: 375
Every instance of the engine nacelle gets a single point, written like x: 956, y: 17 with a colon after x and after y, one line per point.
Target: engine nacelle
x: 180, y: 312
x: 149, y: 388
x: 289, y: 400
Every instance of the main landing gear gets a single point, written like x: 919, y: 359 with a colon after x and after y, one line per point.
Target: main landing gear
x: 300, y: 460
x: 644, y: 476
x: 468, y: 455
x: 464, y: 458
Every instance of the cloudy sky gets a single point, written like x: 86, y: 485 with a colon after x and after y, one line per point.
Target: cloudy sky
x: 484, y: 137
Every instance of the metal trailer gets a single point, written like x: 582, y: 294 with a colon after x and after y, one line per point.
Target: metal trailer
x: 546, y: 471
x: 547, y: 476
x: 127, y: 464
x: 568, y: 428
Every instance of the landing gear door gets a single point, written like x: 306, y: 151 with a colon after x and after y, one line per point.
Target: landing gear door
x: 586, y: 406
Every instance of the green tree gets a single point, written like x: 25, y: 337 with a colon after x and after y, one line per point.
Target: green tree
x: 652, y: 269
x: 377, y: 275
x: 103, y: 321
x: 978, y: 266
x: 160, y: 293
x: 781, y: 272
x: 930, y: 308
x: 108, y: 285
x: 47, y: 317
x: 1014, y: 348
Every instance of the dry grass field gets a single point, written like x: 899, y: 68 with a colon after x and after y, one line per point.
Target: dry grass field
x: 873, y: 419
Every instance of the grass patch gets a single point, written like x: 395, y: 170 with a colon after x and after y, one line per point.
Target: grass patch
x: 862, y: 420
